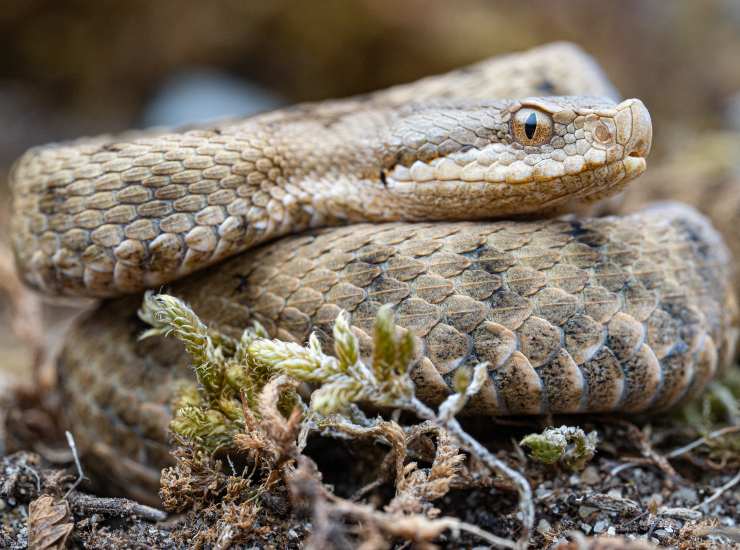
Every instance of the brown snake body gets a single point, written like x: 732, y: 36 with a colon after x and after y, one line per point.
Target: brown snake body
x: 573, y: 315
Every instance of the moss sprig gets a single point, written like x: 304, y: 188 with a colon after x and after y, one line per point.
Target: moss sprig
x: 345, y: 378
x: 212, y: 413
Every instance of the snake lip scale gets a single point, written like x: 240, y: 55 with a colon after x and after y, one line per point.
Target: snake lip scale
x: 573, y: 314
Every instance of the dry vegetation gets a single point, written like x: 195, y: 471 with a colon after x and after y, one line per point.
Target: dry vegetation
x: 275, y: 446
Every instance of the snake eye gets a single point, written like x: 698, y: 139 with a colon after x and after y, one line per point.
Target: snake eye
x: 531, y: 126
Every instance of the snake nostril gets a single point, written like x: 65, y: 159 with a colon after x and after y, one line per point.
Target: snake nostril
x: 640, y: 149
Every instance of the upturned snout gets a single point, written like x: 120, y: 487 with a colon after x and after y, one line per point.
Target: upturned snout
x: 635, y: 129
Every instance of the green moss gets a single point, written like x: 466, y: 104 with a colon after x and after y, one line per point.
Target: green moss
x: 230, y: 374
x: 345, y: 378
x: 227, y: 380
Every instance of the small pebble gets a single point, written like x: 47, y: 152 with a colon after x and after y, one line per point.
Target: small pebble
x: 586, y: 528
x: 601, y: 526
x: 544, y: 527
x: 590, y: 476
x: 585, y: 511
x: 615, y: 493
x: 686, y: 495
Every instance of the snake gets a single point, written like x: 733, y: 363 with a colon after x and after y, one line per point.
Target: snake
x: 460, y: 199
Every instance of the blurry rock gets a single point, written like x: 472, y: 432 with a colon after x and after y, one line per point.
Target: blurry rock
x: 203, y: 95
x: 29, y: 117
x: 732, y: 118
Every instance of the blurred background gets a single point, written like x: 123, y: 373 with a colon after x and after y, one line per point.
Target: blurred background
x: 83, y: 67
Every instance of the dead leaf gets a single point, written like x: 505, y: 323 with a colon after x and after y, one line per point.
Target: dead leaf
x: 49, y: 524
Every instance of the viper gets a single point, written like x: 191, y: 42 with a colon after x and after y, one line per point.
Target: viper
x: 443, y: 197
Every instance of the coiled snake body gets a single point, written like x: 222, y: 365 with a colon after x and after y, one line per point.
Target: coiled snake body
x: 573, y: 314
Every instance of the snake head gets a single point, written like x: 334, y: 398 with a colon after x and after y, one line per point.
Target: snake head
x: 512, y: 157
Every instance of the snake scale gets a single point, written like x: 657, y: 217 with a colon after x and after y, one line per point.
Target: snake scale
x: 573, y: 314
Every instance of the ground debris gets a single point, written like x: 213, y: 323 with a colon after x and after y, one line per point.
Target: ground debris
x: 289, y: 473
x: 35, y: 513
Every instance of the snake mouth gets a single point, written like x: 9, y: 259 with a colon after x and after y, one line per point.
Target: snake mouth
x: 633, y: 164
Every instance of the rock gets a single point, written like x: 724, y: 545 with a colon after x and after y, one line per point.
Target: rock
x: 686, y: 496
x: 586, y: 511
x: 591, y: 475
x: 601, y: 526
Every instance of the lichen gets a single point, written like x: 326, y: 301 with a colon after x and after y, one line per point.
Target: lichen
x: 567, y: 445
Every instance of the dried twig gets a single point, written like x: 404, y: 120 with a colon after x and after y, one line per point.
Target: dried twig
x: 642, y: 441
x: 718, y: 493
x: 702, y: 440
x: 80, y: 474
x: 388, y: 432
x: 629, y: 462
x: 84, y: 504
x: 622, y: 506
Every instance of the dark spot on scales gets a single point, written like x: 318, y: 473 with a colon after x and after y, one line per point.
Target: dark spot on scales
x: 586, y: 236
x: 242, y: 283
x: 382, y: 177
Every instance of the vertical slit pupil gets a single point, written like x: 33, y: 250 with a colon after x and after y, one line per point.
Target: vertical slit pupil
x: 530, y: 125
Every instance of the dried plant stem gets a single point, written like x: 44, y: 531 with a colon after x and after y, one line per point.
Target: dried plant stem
x: 718, y: 493
x: 80, y: 474
x: 402, y: 525
x: 466, y: 441
x: 120, y: 507
x: 702, y: 440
